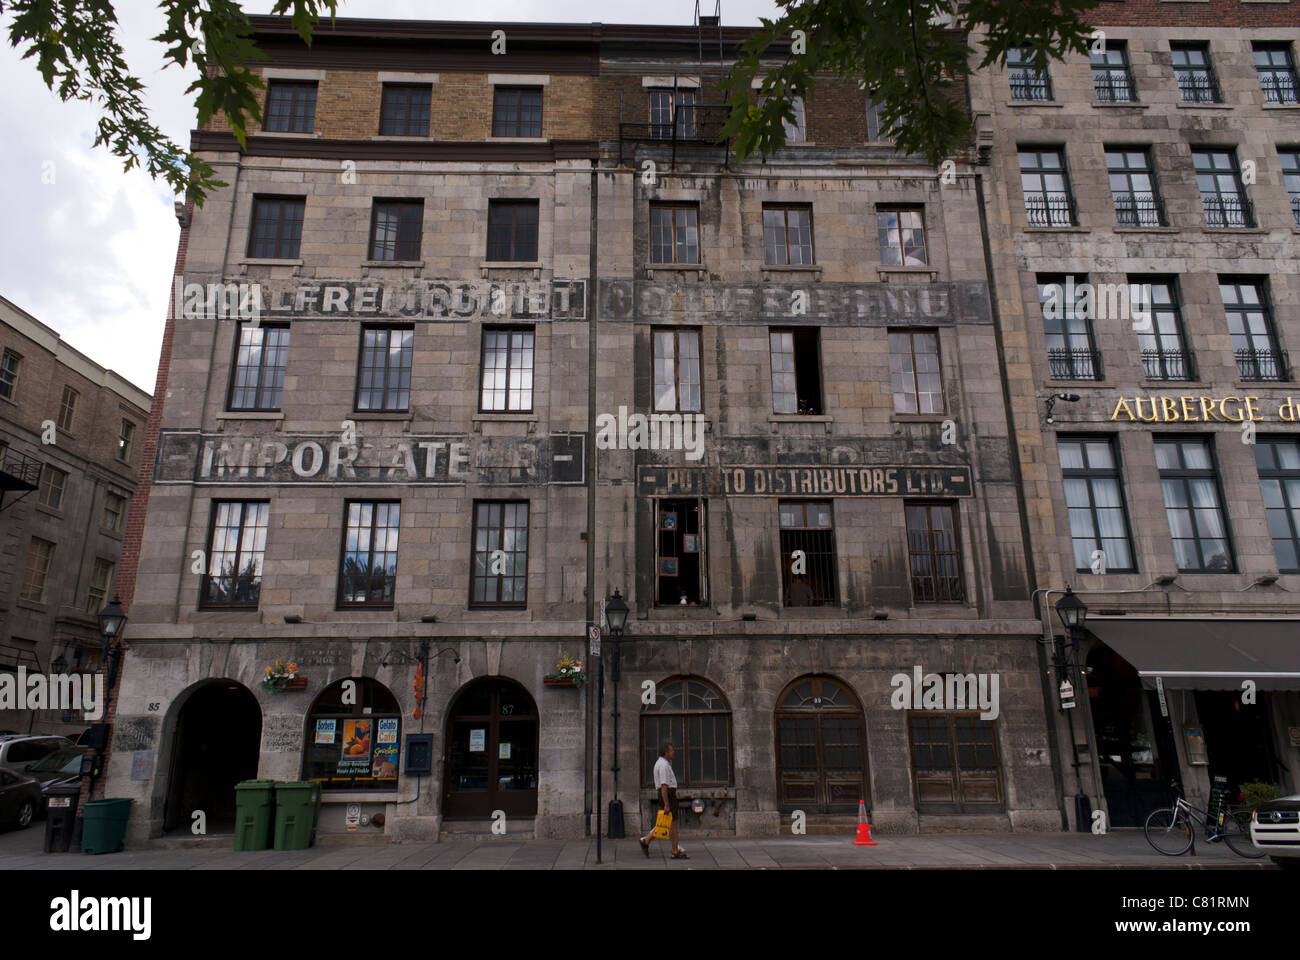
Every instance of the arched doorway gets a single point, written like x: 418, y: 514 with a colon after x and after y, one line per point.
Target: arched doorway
x: 821, y: 752
x: 1134, y: 745
x: 491, y: 752
x: 217, y: 744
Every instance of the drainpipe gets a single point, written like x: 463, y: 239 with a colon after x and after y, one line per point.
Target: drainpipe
x: 592, y: 299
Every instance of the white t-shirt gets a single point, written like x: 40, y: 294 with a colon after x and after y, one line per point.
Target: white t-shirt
x: 664, y: 774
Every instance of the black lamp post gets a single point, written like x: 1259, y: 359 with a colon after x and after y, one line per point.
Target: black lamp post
x: 616, y: 617
x: 1073, y: 612
x: 112, y: 619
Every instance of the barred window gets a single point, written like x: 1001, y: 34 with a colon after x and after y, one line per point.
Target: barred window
x: 261, y: 357
x: 934, y: 548
x: 368, y: 576
x: 499, y: 568
x: 692, y: 715
x: 384, y: 378
x: 807, y: 580
x: 236, y: 549
x: 1194, y: 72
x: 1111, y: 79
x: 1165, y: 355
x: 1250, y: 325
x: 1276, y: 71
x: 1223, y: 195
x: 1133, y: 188
x: 1028, y: 81
x: 1046, y: 187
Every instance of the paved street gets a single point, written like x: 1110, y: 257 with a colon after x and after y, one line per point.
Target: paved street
x: 22, y: 850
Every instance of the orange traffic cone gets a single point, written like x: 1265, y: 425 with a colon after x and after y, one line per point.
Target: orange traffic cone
x: 864, y: 828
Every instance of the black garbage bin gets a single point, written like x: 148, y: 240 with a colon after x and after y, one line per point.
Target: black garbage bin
x: 60, y: 817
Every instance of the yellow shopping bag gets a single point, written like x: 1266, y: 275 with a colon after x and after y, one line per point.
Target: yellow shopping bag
x: 662, y: 822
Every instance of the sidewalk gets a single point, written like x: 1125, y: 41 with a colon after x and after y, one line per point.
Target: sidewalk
x: 22, y: 850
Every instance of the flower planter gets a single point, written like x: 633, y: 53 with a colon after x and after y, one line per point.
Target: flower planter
x: 559, y: 682
x: 297, y: 683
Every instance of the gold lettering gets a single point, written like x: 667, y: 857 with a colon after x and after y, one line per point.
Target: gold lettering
x: 1223, y: 408
x: 1122, y: 405
x: 1250, y: 408
x: 1287, y: 411
x: 1168, y: 410
x: 1137, y: 402
x: 1188, y: 416
x: 1207, y: 409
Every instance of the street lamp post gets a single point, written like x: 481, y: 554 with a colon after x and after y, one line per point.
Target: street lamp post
x: 1073, y: 612
x: 112, y: 619
x: 616, y: 617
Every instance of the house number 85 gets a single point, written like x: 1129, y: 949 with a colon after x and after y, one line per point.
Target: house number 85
x: 154, y: 706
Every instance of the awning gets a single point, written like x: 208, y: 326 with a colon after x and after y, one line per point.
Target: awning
x: 1207, y: 654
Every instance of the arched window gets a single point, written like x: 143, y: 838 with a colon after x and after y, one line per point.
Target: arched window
x: 693, y: 715
x: 354, y: 746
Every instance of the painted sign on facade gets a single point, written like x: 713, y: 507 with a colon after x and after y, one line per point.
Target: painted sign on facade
x: 795, y: 480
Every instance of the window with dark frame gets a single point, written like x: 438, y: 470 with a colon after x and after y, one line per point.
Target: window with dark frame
x: 1278, y: 461
x: 787, y: 233
x: 276, y: 233
x: 36, y: 572
x: 114, y: 512
x: 517, y: 112
x: 125, y: 438
x: 1194, y: 72
x: 507, y: 370
x: 67, y: 408
x: 934, y: 552
x: 1046, y: 187
x: 499, y: 568
x: 796, y: 371
x: 677, y: 369
x: 1071, y: 351
x: 1112, y: 81
x: 384, y: 368
x: 1094, y: 498
x: 806, y: 526
x: 915, y: 372
x: 669, y: 109
x: 1291, y: 178
x: 404, y: 111
x: 52, y: 485
x: 692, y: 715
x: 1254, y: 336
x: 236, y: 549
x: 261, y: 357
x: 358, y: 713
x: 1223, y: 195
x: 512, y: 231
x: 955, y: 763
x: 901, y: 232
x: 1163, y: 344
x: 1028, y: 81
x: 1276, y: 69
x: 1133, y: 187
x: 1198, y: 526
x: 368, y: 573
x: 10, y: 362
x: 679, y: 552
x: 395, y: 229
x: 100, y: 578
x: 876, y: 131
x: 290, y: 106
x: 674, y: 233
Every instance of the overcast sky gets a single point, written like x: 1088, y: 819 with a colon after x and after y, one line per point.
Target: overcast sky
x: 90, y: 252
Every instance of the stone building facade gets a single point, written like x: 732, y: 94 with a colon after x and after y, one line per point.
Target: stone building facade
x: 417, y: 467
x: 1165, y: 160
x: 70, y: 436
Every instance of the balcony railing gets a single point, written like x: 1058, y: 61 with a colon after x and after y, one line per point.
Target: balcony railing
x: 1113, y: 88
x: 1026, y: 85
x: 1227, y: 210
x: 1263, y: 364
x: 1279, y: 88
x: 1139, y: 210
x: 1050, y: 209
x: 1198, y: 87
x: 1074, y: 364
x: 1167, y: 365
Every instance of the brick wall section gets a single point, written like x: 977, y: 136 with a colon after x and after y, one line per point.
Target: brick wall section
x: 1194, y: 13
x: 125, y: 586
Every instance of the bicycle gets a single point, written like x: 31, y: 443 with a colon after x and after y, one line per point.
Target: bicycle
x: 1169, y: 829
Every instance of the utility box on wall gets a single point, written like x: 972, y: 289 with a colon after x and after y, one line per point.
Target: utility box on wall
x: 419, y: 754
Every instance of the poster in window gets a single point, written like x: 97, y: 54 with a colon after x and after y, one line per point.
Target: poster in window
x: 668, y: 520
x: 503, y: 750
x: 356, y: 747
x: 478, y: 740
x: 325, y: 730
x: 387, y: 732
x: 385, y: 764
x: 690, y: 543
x: 667, y: 566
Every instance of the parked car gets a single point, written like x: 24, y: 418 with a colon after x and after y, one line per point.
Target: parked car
x: 1275, y: 829
x: 61, y: 768
x: 18, y: 751
x: 20, y: 799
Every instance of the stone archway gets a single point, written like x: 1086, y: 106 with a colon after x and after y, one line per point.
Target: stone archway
x: 216, y: 743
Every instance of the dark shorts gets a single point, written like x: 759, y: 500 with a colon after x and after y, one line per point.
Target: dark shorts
x: 672, y: 799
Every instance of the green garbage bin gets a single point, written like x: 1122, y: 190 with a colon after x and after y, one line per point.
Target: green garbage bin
x: 297, y: 807
x: 254, y: 802
x: 104, y: 825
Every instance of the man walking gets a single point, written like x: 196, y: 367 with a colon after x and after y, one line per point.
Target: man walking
x: 666, y: 784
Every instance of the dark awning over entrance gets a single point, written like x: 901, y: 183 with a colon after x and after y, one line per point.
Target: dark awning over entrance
x: 1207, y: 654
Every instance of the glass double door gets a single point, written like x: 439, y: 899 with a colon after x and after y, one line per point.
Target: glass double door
x: 491, y: 753
x: 821, y: 752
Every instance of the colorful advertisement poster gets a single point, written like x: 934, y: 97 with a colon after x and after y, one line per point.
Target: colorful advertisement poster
x: 355, y: 758
x: 325, y: 730
x: 387, y: 731
x: 385, y: 765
